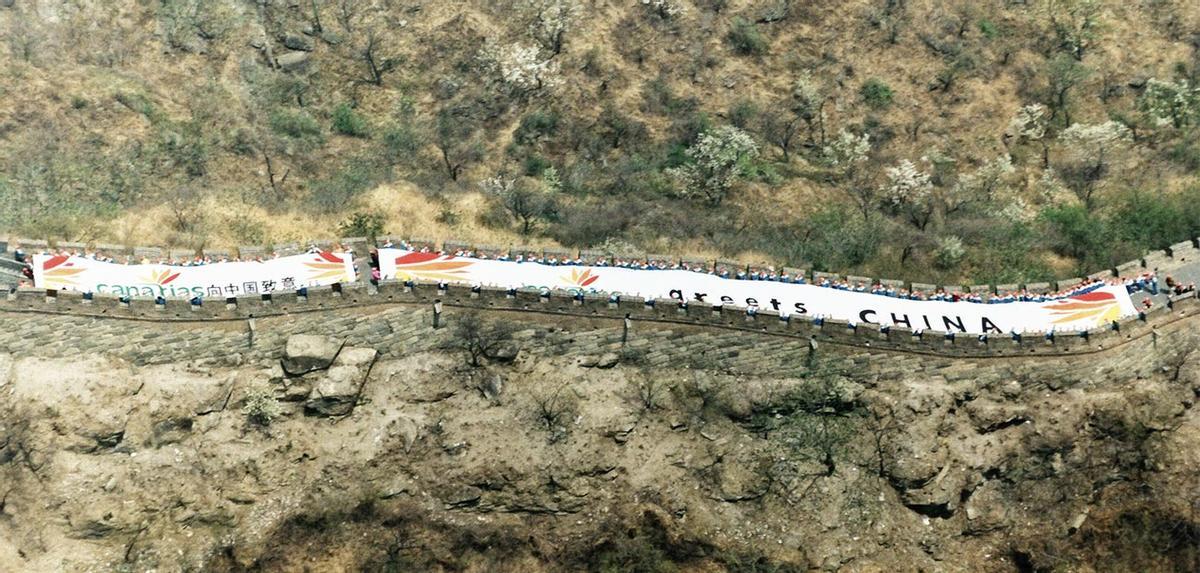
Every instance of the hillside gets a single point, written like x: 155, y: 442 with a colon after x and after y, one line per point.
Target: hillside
x: 365, y: 440
x: 995, y: 141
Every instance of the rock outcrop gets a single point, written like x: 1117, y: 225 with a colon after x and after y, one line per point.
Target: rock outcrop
x: 306, y: 353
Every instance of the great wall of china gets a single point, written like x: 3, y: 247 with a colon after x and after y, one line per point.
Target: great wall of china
x: 362, y: 297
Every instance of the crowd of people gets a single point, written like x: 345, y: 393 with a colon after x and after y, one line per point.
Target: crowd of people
x: 25, y: 259
x: 1145, y: 282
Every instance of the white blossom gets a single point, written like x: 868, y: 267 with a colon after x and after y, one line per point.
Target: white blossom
x: 950, y: 252
x: 666, y: 8
x: 1092, y: 141
x: 1052, y: 191
x: 1172, y: 103
x: 808, y: 95
x: 847, y: 149
x: 906, y: 184
x: 1016, y: 210
x: 1029, y: 124
x: 498, y: 186
x: 521, y: 66
x: 987, y: 179
x: 718, y: 159
x: 551, y: 21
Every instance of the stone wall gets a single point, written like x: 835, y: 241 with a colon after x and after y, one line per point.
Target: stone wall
x: 1179, y: 254
x: 391, y: 316
x: 97, y: 323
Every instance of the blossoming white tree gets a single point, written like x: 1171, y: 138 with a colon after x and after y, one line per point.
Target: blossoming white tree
x: 666, y: 8
x: 847, y: 154
x: 521, y: 67
x: 717, y: 160
x: 1029, y: 126
x: 982, y: 185
x: 551, y: 20
x: 1172, y: 103
x: 909, y: 190
x: 1091, y: 151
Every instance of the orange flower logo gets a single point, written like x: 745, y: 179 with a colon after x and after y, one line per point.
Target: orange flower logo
x: 326, y: 265
x: 59, y: 270
x: 1099, y: 306
x: 430, y: 266
x: 160, y: 278
x: 582, y: 279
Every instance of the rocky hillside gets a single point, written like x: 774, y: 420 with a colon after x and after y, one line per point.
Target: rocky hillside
x: 563, y: 449
x: 878, y: 136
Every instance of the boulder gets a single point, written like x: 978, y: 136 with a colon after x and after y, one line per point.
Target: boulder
x: 306, y: 353
x: 298, y: 42
x: 336, y: 392
x: 988, y: 416
x: 986, y: 509
x: 608, y: 360
x: 491, y: 386
x: 292, y: 61
x: 406, y: 429
x: 939, y: 498
x: 506, y: 352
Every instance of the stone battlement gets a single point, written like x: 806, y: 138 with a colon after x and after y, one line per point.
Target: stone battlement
x: 665, y: 311
x: 562, y: 303
x: 1164, y: 261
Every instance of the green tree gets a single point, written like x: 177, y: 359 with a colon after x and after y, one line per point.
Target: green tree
x: 1063, y: 74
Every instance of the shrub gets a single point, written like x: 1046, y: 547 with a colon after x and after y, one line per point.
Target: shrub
x: 260, y: 406
x: 534, y: 126
x: 743, y: 113
x: 336, y: 191
x: 717, y: 160
x: 369, y: 225
x: 294, y: 124
x: 402, y: 140
x: 876, y: 93
x: 555, y: 411
x: 448, y: 216
x: 746, y: 39
x: 346, y: 121
x: 950, y: 252
x: 648, y: 390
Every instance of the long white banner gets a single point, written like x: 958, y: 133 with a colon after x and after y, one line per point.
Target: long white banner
x: 213, y: 280
x: 1097, y: 307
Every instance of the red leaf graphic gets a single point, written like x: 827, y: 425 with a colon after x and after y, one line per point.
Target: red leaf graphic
x: 413, y: 258
x: 54, y: 261
x: 590, y: 280
x: 170, y: 278
x: 330, y: 257
x: 1094, y: 296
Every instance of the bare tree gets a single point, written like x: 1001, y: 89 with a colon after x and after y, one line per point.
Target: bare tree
x: 555, y: 411
x: 378, y: 55
x: 478, y: 339
x: 455, y: 135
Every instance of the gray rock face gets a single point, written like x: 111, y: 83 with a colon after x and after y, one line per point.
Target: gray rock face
x: 336, y: 392
x: 306, y: 353
x: 608, y: 360
x: 986, y: 509
x: 505, y: 353
x: 298, y: 42
x: 292, y: 61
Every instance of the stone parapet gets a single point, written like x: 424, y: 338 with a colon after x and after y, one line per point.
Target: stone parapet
x: 338, y: 298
